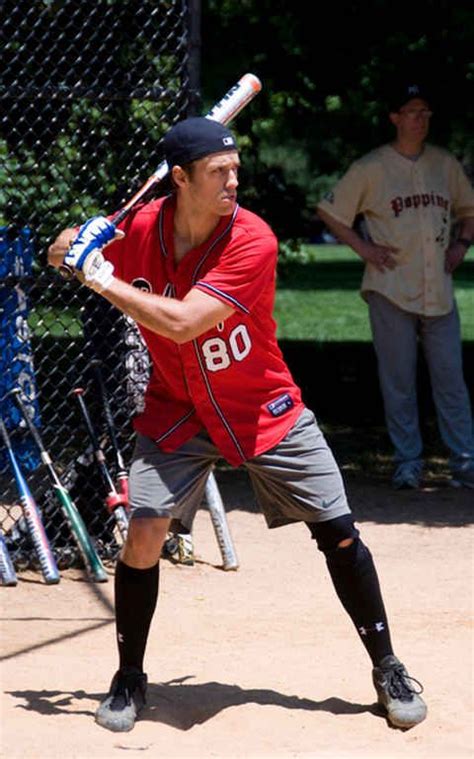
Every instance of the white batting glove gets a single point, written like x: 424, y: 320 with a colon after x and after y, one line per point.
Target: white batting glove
x: 92, y: 236
x: 98, y: 273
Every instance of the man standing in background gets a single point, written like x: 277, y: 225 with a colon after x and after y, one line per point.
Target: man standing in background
x: 409, y: 193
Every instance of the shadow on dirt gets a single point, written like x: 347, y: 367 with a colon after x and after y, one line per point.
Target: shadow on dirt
x: 372, y: 499
x: 182, y: 705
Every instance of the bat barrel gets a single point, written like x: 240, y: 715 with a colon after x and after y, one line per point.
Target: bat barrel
x: 121, y: 474
x: 221, y: 527
x: 96, y: 365
x: 81, y: 536
x: 39, y: 539
x: 114, y: 501
x: 78, y: 392
x: 45, y: 457
x: 16, y: 392
x: 7, y: 570
x: 235, y: 99
x: 32, y: 515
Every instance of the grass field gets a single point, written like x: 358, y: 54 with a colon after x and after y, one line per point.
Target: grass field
x: 320, y: 300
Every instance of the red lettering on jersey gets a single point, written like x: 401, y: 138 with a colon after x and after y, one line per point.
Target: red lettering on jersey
x: 399, y: 204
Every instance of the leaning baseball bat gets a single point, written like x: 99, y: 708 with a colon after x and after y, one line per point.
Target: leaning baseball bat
x: 78, y: 529
x: 114, y: 501
x: 219, y: 522
x: 7, y: 570
x: 224, y: 111
x: 32, y: 515
x: 122, y: 474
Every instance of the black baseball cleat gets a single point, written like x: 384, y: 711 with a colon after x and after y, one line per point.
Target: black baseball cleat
x: 127, y: 697
x: 401, y: 701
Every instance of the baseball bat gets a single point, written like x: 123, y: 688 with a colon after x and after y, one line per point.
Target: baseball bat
x: 122, y: 474
x: 76, y: 524
x: 220, y: 524
x: 114, y: 501
x: 223, y: 111
x: 7, y: 570
x: 32, y: 515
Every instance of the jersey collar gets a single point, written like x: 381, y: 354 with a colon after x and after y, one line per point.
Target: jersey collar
x: 200, y: 253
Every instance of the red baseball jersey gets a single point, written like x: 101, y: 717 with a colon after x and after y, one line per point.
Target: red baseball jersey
x: 232, y: 380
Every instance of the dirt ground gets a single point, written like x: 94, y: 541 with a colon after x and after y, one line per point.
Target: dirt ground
x: 261, y: 662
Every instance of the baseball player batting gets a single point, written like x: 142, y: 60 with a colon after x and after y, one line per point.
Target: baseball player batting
x: 219, y: 388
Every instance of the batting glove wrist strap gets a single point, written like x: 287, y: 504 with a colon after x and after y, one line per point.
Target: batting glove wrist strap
x: 94, y: 234
x: 98, y: 273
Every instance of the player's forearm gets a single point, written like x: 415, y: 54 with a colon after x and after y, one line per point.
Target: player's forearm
x: 344, y: 234
x: 167, y: 317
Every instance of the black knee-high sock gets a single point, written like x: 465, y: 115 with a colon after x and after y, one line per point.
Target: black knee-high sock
x: 355, y: 579
x: 136, y: 595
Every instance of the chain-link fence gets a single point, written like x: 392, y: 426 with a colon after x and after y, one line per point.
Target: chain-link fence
x: 87, y: 91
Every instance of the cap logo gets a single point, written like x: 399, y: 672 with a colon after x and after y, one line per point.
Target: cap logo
x: 413, y: 89
x: 227, y: 140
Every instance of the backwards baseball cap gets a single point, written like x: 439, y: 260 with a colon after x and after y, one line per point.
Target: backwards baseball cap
x: 195, y: 138
x: 403, y: 93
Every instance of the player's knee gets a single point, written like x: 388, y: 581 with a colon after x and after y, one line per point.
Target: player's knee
x: 144, y: 541
x: 339, y: 533
x: 339, y: 540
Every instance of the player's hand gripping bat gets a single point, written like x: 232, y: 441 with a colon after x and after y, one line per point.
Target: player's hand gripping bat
x: 223, y: 111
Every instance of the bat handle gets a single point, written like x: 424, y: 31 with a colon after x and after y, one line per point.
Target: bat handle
x: 122, y: 487
x: 120, y: 215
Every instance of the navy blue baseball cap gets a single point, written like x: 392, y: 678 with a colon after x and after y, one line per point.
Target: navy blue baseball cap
x: 403, y: 93
x: 196, y: 138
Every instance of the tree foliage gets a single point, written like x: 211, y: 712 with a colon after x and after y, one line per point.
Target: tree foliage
x: 74, y: 140
x: 327, y: 72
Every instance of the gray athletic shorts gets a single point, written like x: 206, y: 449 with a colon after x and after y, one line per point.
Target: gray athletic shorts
x: 297, y: 480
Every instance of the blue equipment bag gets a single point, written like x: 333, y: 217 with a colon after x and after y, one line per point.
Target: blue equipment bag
x: 16, y: 357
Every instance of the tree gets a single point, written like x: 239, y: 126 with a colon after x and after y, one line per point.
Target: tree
x: 326, y: 76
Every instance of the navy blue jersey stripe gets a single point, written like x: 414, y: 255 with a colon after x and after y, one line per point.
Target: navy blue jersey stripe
x: 213, y: 245
x: 218, y: 409
x: 175, y: 426
x: 161, y: 227
x: 230, y: 298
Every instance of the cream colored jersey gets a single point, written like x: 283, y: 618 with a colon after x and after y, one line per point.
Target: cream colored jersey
x: 409, y: 205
